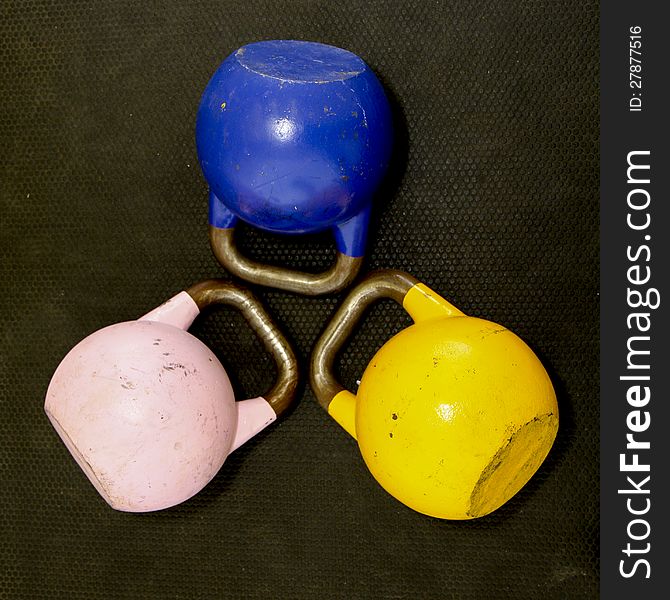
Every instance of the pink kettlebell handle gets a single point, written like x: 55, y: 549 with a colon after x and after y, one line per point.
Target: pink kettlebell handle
x: 215, y: 291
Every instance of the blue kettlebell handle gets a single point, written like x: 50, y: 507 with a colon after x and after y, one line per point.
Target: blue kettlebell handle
x: 338, y: 277
x: 350, y: 238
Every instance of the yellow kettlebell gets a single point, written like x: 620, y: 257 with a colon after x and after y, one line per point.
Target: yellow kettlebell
x: 453, y: 415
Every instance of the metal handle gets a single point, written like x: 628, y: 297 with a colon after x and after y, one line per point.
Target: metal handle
x: 338, y: 277
x: 215, y: 291
x: 377, y: 285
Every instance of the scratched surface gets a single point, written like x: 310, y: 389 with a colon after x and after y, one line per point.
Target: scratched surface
x: 492, y: 200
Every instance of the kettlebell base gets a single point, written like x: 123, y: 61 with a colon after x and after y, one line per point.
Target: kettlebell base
x: 508, y: 471
x: 513, y: 465
x: 114, y: 502
x: 81, y: 461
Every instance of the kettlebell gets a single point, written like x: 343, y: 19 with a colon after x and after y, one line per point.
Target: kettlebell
x: 453, y: 415
x: 147, y: 410
x: 293, y: 137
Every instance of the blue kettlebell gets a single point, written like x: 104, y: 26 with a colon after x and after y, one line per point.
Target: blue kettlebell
x: 293, y: 137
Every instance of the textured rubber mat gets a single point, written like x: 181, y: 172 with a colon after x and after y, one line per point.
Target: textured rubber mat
x: 492, y: 199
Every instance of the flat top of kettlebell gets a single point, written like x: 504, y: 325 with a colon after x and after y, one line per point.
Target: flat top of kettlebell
x: 300, y: 62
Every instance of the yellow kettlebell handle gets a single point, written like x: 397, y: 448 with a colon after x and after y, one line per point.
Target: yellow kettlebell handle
x: 420, y: 302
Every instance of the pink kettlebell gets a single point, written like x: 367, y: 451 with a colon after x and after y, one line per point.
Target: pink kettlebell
x: 148, y: 411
